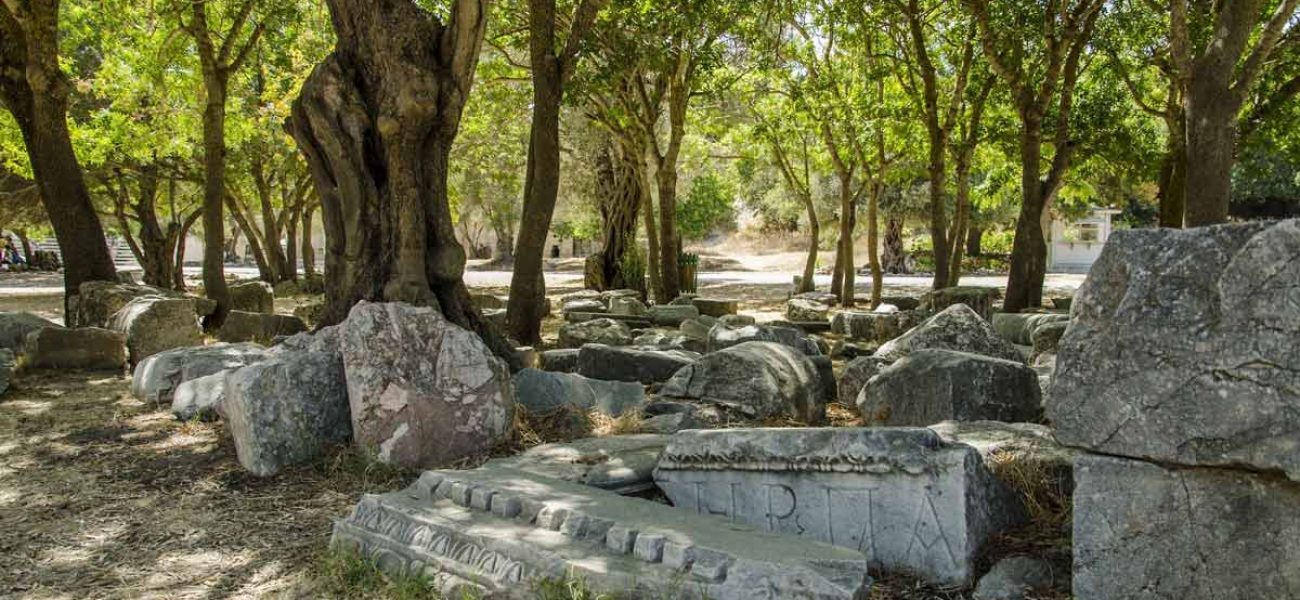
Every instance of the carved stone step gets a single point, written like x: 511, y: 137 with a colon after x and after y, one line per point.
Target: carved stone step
x: 497, y: 530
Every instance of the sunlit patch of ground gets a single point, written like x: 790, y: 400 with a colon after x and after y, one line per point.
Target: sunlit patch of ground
x: 103, y: 496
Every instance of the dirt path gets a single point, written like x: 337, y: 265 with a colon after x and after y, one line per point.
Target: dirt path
x: 102, y: 496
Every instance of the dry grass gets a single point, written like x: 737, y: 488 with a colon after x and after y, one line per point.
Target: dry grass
x: 102, y: 496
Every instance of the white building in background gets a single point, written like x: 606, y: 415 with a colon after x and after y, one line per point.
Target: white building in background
x: 1073, y: 246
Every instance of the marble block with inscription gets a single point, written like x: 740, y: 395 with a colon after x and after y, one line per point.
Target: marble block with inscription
x: 494, y: 532
x: 908, y: 500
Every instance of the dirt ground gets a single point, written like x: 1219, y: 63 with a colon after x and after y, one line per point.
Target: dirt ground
x: 103, y: 496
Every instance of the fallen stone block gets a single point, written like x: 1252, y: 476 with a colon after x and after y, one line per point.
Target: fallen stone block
x: 716, y: 307
x: 14, y: 327
x: 929, y: 386
x: 956, y: 328
x: 563, y: 360
x: 154, y: 324
x: 722, y: 336
x: 541, y: 392
x: 606, y: 331
x: 1183, y: 349
x: 901, y: 496
x: 263, y: 328
x: 288, y: 409
x: 252, y: 296
x: 200, y: 398
x: 75, y: 348
x: 802, y: 309
x: 758, y: 379
x: 672, y: 314
x: 613, y: 363
x: 157, y: 378
x: 977, y: 298
x: 855, y: 377
x: 495, y: 532
x: 1019, y: 328
x: 622, y: 463
x: 875, y: 326
x: 1146, y: 531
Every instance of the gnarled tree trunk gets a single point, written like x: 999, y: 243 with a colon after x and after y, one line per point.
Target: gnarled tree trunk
x: 894, y: 257
x: 619, y: 185
x: 376, y: 121
x: 35, y: 90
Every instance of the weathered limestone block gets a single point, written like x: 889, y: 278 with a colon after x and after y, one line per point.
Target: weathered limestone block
x: 825, y: 298
x: 800, y: 309
x: 288, y: 409
x: 596, y: 331
x: 722, y: 336
x: 855, y: 376
x: 613, y: 363
x: 14, y: 327
x: 929, y: 386
x: 75, y: 348
x: 199, y: 398
x: 563, y: 360
x: 631, y: 321
x: 252, y: 296
x: 716, y: 307
x: 736, y: 321
x: 1183, y: 349
x: 1015, y: 578
x: 543, y: 392
x: 153, y: 324
x: 6, y: 368
x: 979, y: 299
x: 423, y: 391
x: 672, y: 314
x: 627, y: 306
x: 243, y: 326
x: 1150, y: 532
x: 760, y: 379
x: 495, y: 531
x: 100, y: 300
x: 875, y: 326
x: 157, y: 378
x: 1047, y: 338
x: 955, y: 328
x: 583, y: 305
x: 623, y: 463
x: 902, y: 496
x: 1019, y: 328
x: 1026, y: 447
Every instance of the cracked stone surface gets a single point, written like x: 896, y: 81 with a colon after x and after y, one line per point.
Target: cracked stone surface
x: 1149, y: 532
x: 424, y: 392
x: 760, y: 379
x: 1183, y: 349
x: 957, y: 327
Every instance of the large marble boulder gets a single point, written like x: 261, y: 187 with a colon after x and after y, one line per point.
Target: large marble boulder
x: 497, y: 532
x: 424, y: 392
x: 252, y: 296
x: 200, y: 398
x: 630, y: 306
x: 614, y: 363
x: 595, y: 331
x: 263, y: 328
x: 75, y: 348
x: 14, y: 327
x: 901, y: 496
x: 156, y: 378
x: 153, y: 324
x: 856, y: 374
x: 801, y: 309
x: 723, y: 336
x: 1183, y: 349
x: 542, y: 392
x: 977, y: 298
x: 288, y: 409
x: 1019, y: 328
x: 957, y: 327
x: 100, y: 300
x: 929, y: 386
x: 1146, y: 531
x: 759, y: 379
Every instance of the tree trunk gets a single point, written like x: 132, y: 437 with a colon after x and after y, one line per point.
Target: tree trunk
x: 669, y: 245
x: 652, y: 238
x: 376, y: 121
x: 938, y: 219
x: 873, y: 242
x: 1029, y: 248
x: 156, y: 252
x: 214, y: 192
x: 178, y: 278
x: 26, y: 244
x: 961, y: 216
x: 265, y: 270
x: 308, y: 248
x: 808, y: 284
x: 894, y: 259
x: 619, y: 186
x: 290, y: 271
x: 974, y: 240
x: 1173, y: 175
x: 1211, y: 137
x: 277, y: 263
x: 527, y: 303
x: 848, y: 219
x: 837, y: 270
x: 34, y: 89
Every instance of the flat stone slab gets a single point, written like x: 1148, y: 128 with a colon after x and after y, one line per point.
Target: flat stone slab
x: 495, y: 531
x: 1150, y: 532
x: 902, y: 496
x: 622, y: 463
x: 632, y: 321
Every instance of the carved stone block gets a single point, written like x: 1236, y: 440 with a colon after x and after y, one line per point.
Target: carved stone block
x: 902, y: 496
x: 448, y: 525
